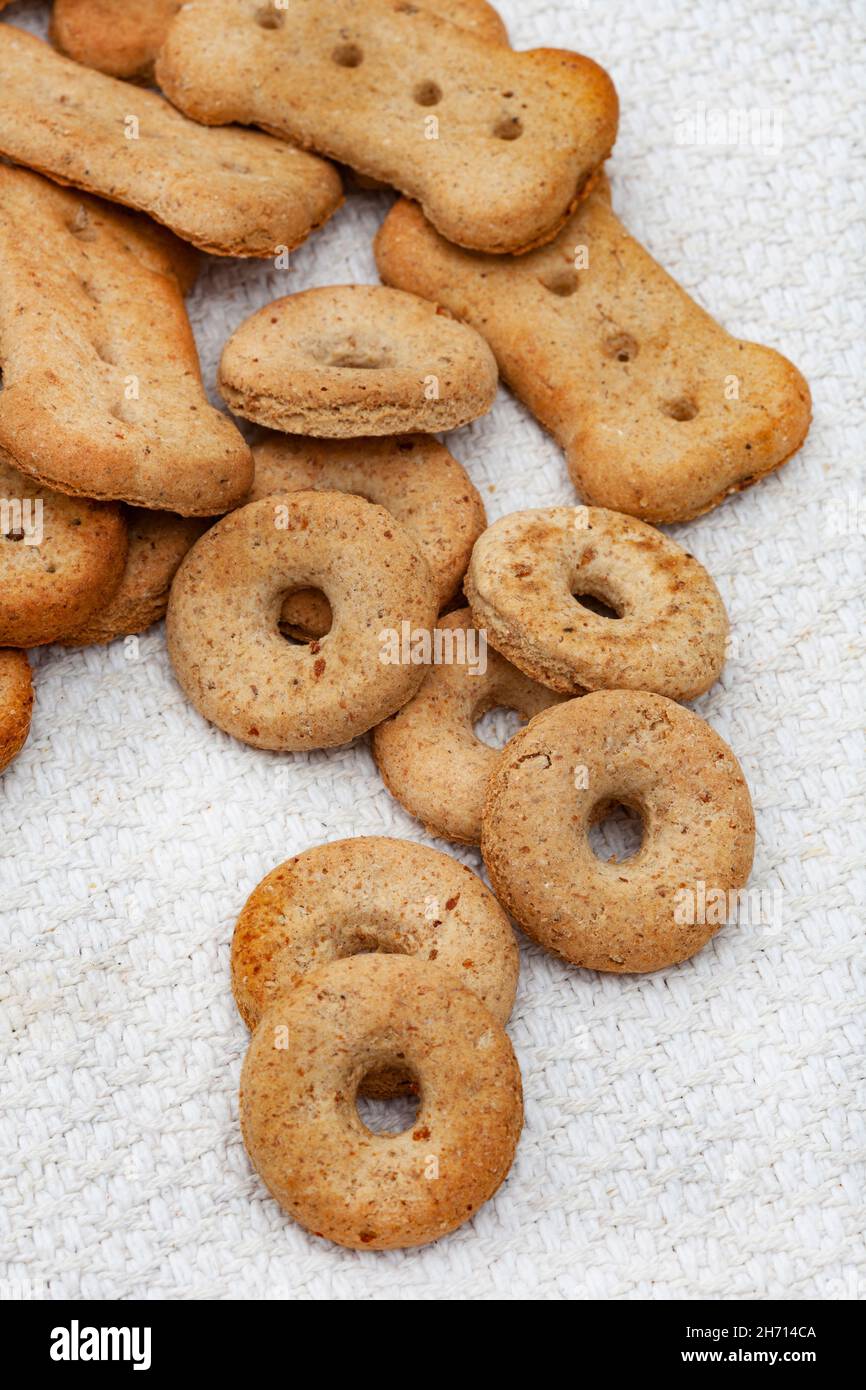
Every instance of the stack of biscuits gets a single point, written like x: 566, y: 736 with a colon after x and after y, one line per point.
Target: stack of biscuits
x: 338, y: 576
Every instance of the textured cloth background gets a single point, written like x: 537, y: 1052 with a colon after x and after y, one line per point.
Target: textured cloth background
x: 695, y: 1133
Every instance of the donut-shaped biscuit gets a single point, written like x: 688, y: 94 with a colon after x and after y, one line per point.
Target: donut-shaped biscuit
x: 61, y: 558
x: 371, y: 893
x: 300, y: 1124
x: 431, y: 742
x: 223, y: 615
x: 644, y: 752
x: 16, y: 704
x: 353, y: 360
x: 413, y: 477
x: 158, y: 542
x: 671, y: 628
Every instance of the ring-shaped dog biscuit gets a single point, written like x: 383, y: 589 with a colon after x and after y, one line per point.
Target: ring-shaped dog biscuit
x: 668, y: 628
x: 301, y: 1077
x: 655, y: 757
x: 414, y: 477
x: 16, y: 705
x: 223, y: 614
x: 431, y: 744
x: 350, y: 360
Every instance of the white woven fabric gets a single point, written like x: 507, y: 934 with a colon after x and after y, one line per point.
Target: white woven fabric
x: 695, y: 1133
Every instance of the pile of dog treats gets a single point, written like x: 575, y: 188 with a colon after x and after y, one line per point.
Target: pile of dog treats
x: 340, y: 577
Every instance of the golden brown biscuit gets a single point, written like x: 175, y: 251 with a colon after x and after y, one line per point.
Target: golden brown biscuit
x: 351, y: 360
x: 661, y: 413
x: 223, y: 614
x: 643, y: 752
x: 413, y: 477
x: 158, y: 542
x: 496, y: 145
x: 230, y: 192
x: 116, y: 410
x: 61, y: 558
x: 666, y: 630
x: 371, y: 894
x: 430, y: 745
x: 123, y: 39
x: 16, y: 704
x: 301, y: 1076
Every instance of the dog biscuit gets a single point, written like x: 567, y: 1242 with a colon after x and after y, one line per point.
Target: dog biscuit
x: 223, y: 615
x: 352, y: 360
x: 666, y: 629
x: 16, y: 705
x: 102, y: 391
x: 230, y: 192
x: 661, y: 760
x: 158, y: 542
x: 300, y: 1121
x: 371, y: 894
x: 497, y: 146
x: 123, y: 39
x: 61, y: 559
x: 661, y: 413
x: 413, y: 477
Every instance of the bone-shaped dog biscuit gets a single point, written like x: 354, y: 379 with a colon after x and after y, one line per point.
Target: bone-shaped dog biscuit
x: 661, y: 412
x: 231, y: 192
x: 123, y: 39
x: 496, y: 145
x: 102, y: 395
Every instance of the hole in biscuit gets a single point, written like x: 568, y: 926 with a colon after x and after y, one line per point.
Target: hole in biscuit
x: 269, y: 18
x: 622, y: 346
x: 683, y: 408
x: 305, y: 617
x: 497, y: 726
x: 386, y: 1117
x: 348, y: 55
x: 508, y: 128
x: 349, y: 353
x: 616, y: 832
x: 427, y: 94
x: 596, y: 604
x: 563, y: 282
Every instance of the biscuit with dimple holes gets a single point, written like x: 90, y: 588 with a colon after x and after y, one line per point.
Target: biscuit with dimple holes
x: 364, y: 895
x: 61, y: 559
x: 102, y: 393
x: 496, y: 145
x: 223, y: 615
x: 661, y: 412
x: 300, y: 1121
x: 663, y: 762
x: 230, y: 192
x: 158, y: 542
x: 665, y: 628
x: 413, y: 477
x: 16, y: 704
x: 428, y: 753
x: 123, y: 39
x: 350, y: 360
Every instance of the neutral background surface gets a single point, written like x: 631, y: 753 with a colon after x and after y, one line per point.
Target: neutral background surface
x: 695, y: 1133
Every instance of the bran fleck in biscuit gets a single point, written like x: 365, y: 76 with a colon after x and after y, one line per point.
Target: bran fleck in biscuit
x: 16, y: 704
x: 61, y: 559
x: 661, y: 412
x: 496, y: 145
x: 662, y: 624
x: 102, y: 391
x: 123, y: 39
x: 230, y: 192
x: 158, y: 542
x: 413, y: 477
x: 350, y: 360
